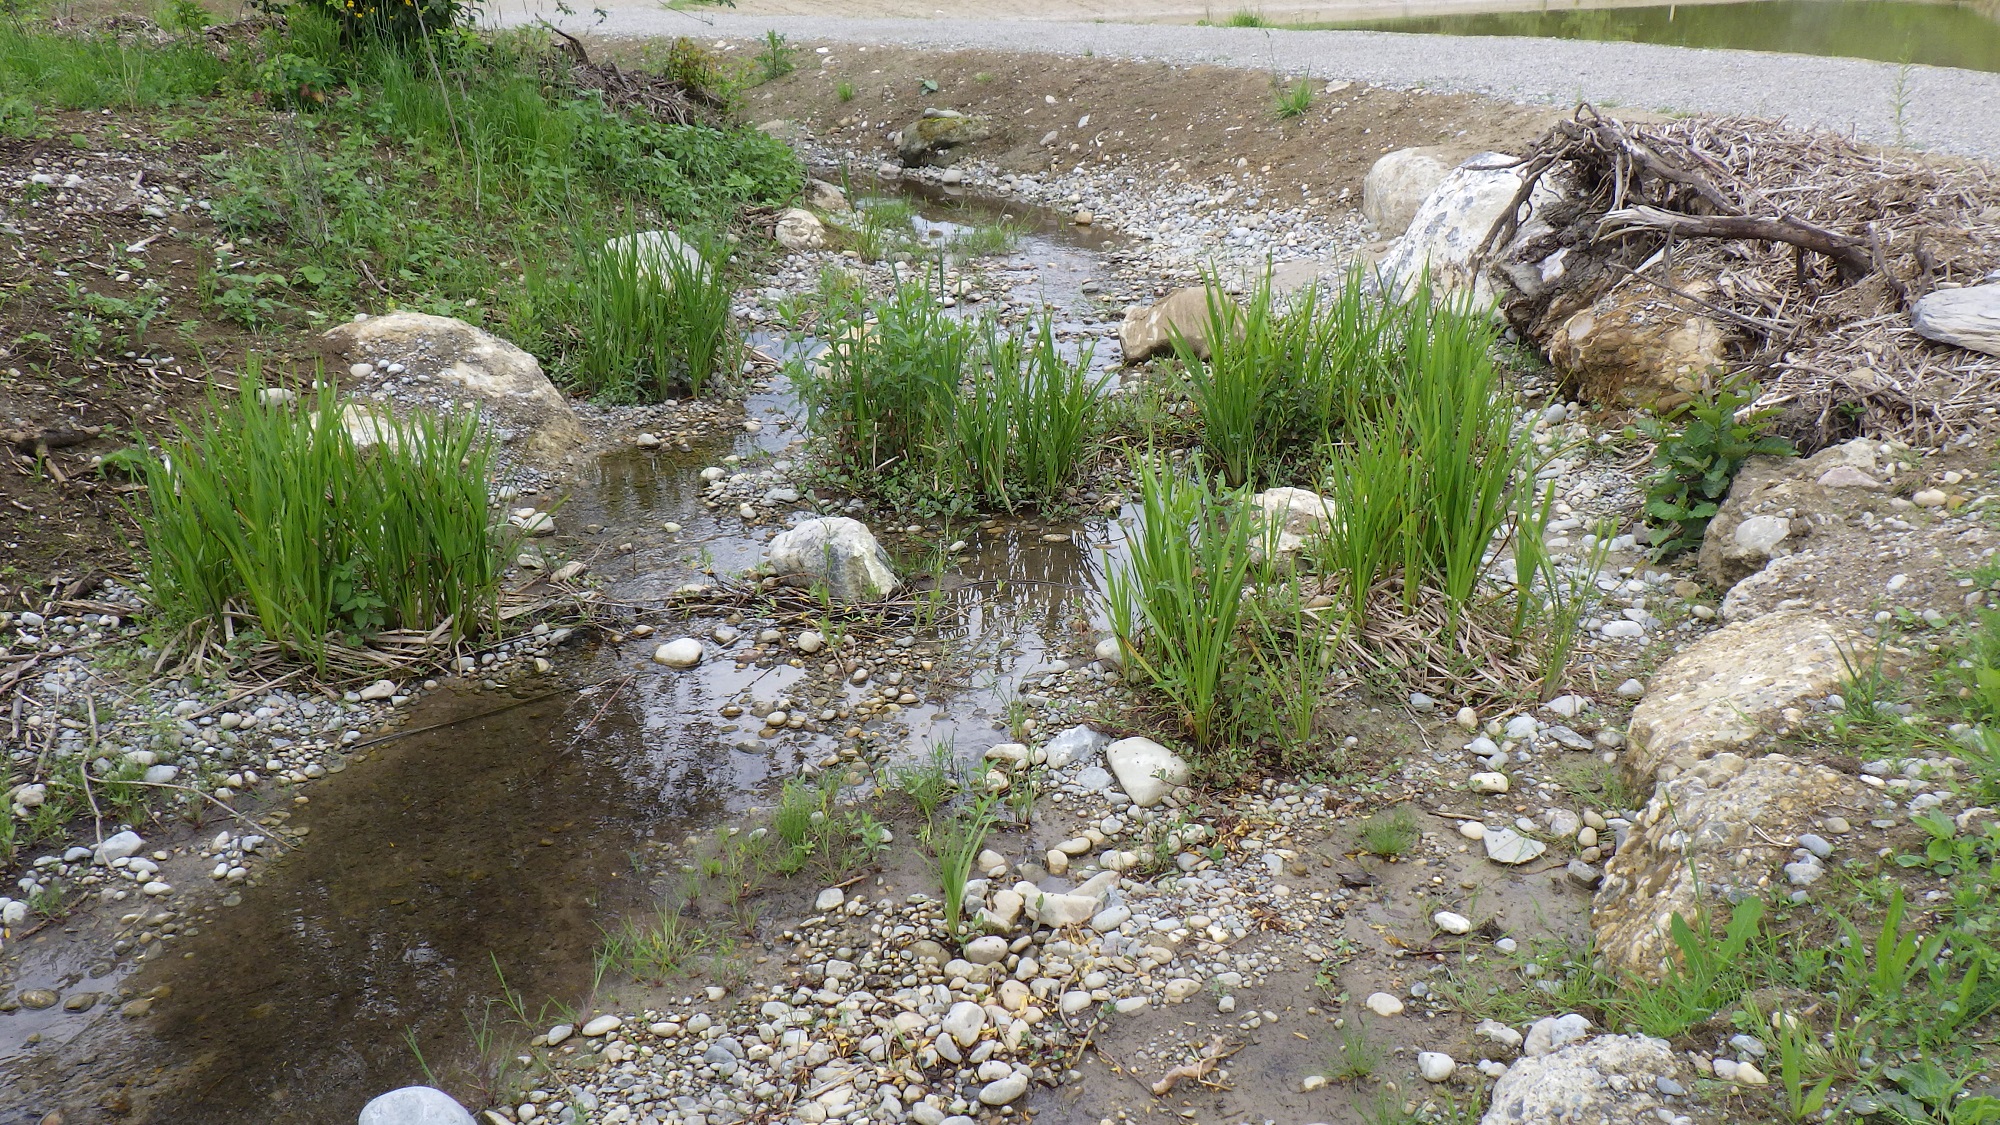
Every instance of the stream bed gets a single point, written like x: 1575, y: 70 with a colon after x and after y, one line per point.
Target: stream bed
x: 478, y: 853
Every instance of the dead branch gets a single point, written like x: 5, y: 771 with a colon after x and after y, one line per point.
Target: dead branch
x: 1851, y: 253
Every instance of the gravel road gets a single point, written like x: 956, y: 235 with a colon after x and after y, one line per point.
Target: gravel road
x: 1942, y: 109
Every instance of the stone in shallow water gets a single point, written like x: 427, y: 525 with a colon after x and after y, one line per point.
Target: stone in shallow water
x: 415, y: 1105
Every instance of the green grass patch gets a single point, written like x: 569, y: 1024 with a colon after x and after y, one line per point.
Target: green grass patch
x: 272, y: 512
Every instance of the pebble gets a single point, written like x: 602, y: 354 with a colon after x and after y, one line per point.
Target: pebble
x: 1435, y: 1066
x: 602, y: 1025
x: 1489, y: 782
x: 1004, y: 1091
x: 1452, y: 923
x: 832, y: 898
x: 682, y: 653
x: 1384, y: 1005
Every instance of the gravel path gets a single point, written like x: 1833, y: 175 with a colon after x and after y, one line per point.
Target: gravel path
x: 1944, y: 109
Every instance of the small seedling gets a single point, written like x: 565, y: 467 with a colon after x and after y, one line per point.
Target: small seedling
x: 1389, y: 834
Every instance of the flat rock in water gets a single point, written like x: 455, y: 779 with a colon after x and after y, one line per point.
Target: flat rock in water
x: 415, y: 1105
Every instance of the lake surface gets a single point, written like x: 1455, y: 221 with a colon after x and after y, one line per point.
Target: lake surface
x: 1899, y: 31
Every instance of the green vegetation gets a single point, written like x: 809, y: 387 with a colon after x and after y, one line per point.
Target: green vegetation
x: 273, y: 513
x: 1245, y: 17
x: 1295, y: 99
x: 1389, y: 834
x: 653, y: 315
x: 1701, y: 445
x: 908, y: 404
x: 954, y: 844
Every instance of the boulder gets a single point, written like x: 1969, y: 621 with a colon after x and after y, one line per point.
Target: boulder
x: 656, y: 252
x: 1292, y: 516
x: 1778, y: 505
x: 838, y: 553
x: 1149, y: 330
x: 415, y: 1105
x: 1453, y: 222
x: 930, y: 138
x: 823, y: 196
x: 1637, y: 346
x: 1601, y: 1081
x: 449, y: 364
x: 1967, y: 318
x: 1398, y: 184
x: 1729, y: 687
x: 800, y: 229
x: 1146, y: 770
x: 1720, y: 830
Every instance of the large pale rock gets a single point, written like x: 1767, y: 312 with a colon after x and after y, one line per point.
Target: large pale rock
x: 415, y: 1105
x: 1077, y: 744
x: 1728, y: 688
x: 1453, y: 222
x: 1968, y: 317
x: 1071, y: 908
x: 800, y: 229
x: 1149, y: 330
x: 1146, y: 770
x: 1291, y: 516
x: 930, y: 138
x: 836, y: 552
x: 823, y: 196
x: 1609, y: 1080
x: 1398, y: 184
x: 1637, y: 346
x: 1723, y: 827
x: 660, y: 253
x: 450, y: 364
x: 1779, y: 505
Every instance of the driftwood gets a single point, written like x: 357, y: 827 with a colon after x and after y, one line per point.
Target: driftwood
x: 1809, y: 248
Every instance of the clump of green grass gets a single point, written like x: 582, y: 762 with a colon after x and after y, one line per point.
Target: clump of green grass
x: 844, y: 91
x: 954, y: 843
x: 1245, y: 17
x: 273, y: 512
x: 1390, y: 833
x: 661, y: 947
x: 915, y: 403
x: 101, y: 71
x: 1179, y: 599
x: 929, y: 782
x: 1358, y: 1057
x: 653, y: 310
x: 1294, y: 100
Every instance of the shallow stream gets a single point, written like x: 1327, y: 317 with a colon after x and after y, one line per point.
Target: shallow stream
x: 482, y: 848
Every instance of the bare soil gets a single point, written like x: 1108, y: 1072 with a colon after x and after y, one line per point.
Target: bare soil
x: 1188, y: 122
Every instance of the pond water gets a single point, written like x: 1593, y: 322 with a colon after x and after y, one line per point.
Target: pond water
x: 1899, y: 31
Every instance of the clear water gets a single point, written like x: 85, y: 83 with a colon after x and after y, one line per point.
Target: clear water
x: 1899, y: 31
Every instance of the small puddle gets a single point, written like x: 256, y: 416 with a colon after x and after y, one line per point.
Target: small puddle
x: 504, y: 829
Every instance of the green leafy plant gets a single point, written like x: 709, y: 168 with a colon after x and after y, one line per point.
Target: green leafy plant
x: 1701, y: 445
x: 844, y: 91
x: 954, y: 844
x: 655, y: 317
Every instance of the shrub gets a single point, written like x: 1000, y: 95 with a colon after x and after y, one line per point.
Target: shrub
x: 393, y: 21
x: 271, y: 511
x: 1701, y: 445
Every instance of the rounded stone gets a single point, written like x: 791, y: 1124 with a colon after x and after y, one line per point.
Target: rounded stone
x: 1004, y: 1090
x: 682, y: 653
x: 1385, y: 1005
x: 35, y: 999
x: 1450, y: 922
x: 415, y: 1105
x: 1435, y: 1066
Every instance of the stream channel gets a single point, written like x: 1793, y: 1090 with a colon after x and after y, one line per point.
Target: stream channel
x: 504, y: 829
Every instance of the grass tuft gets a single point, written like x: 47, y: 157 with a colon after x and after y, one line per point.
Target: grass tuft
x: 272, y: 511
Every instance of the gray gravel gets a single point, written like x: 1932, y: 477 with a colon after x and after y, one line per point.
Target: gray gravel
x: 1944, y: 109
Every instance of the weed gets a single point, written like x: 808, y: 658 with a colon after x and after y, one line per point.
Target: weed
x: 276, y: 512
x: 1359, y: 1055
x: 777, y: 58
x: 1701, y: 445
x: 1179, y: 598
x: 954, y: 844
x: 1389, y: 834
x: 657, y: 948
x: 1294, y: 100
x: 930, y: 782
x: 654, y: 314
x: 1245, y: 17
x: 844, y: 91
